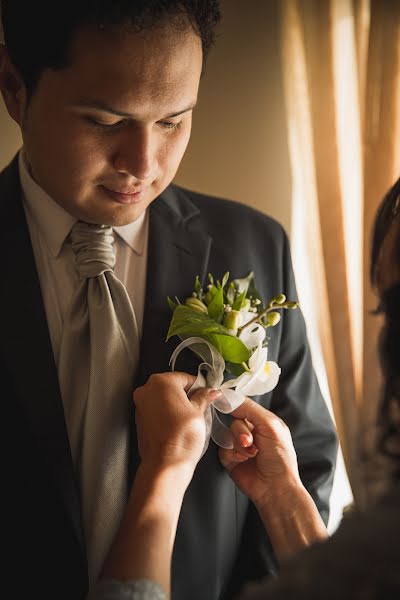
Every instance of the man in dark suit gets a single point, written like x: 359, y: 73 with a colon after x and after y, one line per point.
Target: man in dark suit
x: 104, y: 96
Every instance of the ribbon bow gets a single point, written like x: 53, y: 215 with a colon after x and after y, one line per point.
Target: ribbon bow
x: 260, y: 377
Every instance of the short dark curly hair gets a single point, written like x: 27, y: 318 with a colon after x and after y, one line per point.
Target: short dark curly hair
x: 38, y: 34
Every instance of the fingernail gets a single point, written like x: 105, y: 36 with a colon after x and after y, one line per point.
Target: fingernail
x: 245, y: 440
x: 214, y: 394
x: 241, y: 457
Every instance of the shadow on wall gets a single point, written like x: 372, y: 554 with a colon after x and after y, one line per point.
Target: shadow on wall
x: 239, y: 142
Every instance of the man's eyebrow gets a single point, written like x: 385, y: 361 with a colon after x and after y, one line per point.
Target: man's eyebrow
x: 190, y: 107
x: 95, y: 104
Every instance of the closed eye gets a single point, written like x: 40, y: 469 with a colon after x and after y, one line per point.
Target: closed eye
x: 106, y: 126
x: 119, y: 124
x: 169, y: 125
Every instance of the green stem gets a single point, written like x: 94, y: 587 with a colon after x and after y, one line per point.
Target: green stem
x: 263, y: 313
x: 245, y: 367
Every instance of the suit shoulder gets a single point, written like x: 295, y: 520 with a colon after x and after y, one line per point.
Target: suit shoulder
x: 222, y: 211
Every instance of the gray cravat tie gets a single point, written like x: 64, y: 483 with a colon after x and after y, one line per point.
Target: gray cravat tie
x: 98, y: 358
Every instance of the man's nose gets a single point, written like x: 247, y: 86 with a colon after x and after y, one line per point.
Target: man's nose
x: 136, y: 155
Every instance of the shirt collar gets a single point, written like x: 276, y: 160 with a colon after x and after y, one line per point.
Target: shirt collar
x: 55, y: 223
x: 135, y: 234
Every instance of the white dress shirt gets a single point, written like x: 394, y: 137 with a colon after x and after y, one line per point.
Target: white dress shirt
x: 49, y: 226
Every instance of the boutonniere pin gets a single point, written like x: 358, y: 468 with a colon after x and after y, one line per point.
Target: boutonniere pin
x: 225, y: 325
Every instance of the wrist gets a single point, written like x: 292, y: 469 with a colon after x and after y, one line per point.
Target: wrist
x: 279, y: 498
x: 291, y: 519
x: 164, y: 474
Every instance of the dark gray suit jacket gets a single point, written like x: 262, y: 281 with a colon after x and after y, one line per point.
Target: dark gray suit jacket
x: 220, y: 540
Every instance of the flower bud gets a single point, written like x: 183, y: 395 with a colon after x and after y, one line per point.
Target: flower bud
x: 273, y: 318
x: 246, y: 305
x: 292, y: 305
x: 196, y: 304
x: 279, y: 299
x: 233, y: 320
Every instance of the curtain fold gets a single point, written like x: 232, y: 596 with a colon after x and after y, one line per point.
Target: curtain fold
x: 340, y: 61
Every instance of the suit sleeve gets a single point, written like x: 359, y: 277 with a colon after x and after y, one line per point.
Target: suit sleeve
x: 297, y: 399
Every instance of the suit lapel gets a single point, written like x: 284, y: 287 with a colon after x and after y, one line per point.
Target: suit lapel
x: 178, y: 250
x: 29, y: 352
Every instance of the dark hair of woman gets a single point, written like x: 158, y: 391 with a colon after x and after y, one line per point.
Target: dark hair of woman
x: 389, y: 341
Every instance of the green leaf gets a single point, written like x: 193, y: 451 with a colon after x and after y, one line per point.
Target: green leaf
x: 171, y: 304
x: 230, y: 294
x: 231, y: 348
x: 190, y: 329
x: 210, y: 294
x: 225, y: 279
x: 216, y: 306
x: 186, y: 321
x: 239, y: 302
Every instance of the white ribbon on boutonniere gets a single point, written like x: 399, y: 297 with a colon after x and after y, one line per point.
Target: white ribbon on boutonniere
x: 261, y: 377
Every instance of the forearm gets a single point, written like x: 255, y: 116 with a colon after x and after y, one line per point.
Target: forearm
x: 292, y: 521
x: 143, y: 546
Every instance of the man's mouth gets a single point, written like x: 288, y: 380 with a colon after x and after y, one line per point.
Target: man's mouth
x: 124, y: 196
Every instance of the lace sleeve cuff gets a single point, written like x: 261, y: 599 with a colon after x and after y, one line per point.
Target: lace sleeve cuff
x: 141, y: 589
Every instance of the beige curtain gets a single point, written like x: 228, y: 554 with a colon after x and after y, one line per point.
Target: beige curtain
x: 342, y: 91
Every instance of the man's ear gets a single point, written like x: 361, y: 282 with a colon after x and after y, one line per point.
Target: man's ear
x: 12, y: 87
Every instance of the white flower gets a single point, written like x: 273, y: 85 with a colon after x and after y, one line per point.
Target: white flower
x: 245, y: 315
x: 255, y: 334
x: 262, y: 377
x: 252, y: 336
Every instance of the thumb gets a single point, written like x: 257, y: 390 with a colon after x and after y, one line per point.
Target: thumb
x: 203, y: 397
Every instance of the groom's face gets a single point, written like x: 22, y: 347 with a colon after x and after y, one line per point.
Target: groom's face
x: 105, y: 136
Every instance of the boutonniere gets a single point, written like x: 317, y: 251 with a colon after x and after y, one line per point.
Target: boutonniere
x: 225, y: 325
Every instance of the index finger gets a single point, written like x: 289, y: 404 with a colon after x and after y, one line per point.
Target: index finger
x: 186, y: 380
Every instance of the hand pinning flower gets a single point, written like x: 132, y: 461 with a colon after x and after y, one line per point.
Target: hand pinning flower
x: 225, y: 324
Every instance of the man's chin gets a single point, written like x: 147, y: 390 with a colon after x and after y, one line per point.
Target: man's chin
x: 121, y: 218
x: 115, y: 217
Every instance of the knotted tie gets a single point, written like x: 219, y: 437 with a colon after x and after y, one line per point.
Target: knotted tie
x: 98, y: 357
